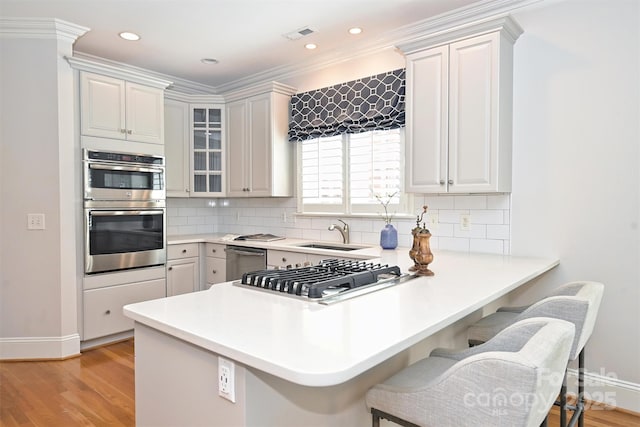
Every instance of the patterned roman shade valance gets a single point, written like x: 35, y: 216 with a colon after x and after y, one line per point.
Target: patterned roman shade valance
x: 366, y: 104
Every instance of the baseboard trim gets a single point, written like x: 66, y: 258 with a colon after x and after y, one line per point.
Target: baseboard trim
x: 102, y: 341
x: 39, y: 348
x: 606, y: 391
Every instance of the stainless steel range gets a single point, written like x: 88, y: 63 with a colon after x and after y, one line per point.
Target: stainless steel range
x: 330, y: 281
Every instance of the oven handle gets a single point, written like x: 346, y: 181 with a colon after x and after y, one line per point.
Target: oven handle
x: 114, y: 213
x: 246, y: 253
x: 124, y: 168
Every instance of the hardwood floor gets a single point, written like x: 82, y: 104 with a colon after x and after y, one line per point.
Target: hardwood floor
x: 97, y: 389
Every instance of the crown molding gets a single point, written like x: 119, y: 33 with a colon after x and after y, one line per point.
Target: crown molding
x: 257, y: 89
x: 129, y: 74
x: 41, y: 28
x: 193, y: 98
x: 503, y: 24
x: 480, y: 14
x: 467, y: 16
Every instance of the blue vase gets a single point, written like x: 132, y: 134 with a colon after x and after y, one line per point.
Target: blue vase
x: 389, y: 237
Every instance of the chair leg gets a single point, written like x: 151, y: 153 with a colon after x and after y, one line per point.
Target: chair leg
x: 563, y: 401
x: 376, y: 415
x: 581, y: 387
x: 375, y: 419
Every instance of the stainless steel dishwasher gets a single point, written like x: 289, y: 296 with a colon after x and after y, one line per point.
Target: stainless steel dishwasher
x: 242, y: 260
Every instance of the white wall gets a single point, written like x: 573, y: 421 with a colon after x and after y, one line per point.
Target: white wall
x: 38, y: 308
x: 576, y: 161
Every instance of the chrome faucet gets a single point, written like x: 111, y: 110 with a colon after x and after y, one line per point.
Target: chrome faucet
x: 344, y: 230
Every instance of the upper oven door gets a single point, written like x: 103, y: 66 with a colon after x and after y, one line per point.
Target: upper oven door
x: 123, y: 176
x: 110, y: 181
x: 117, y: 239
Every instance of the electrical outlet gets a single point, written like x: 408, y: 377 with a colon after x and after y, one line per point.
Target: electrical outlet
x: 226, y: 379
x: 465, y: 222
x: 433, y: 220
x: 35, y: 221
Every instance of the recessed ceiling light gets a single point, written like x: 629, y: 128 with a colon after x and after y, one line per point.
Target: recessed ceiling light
x: 310, y: 46
x: 211, y: 61
x: 355, y: 30
x: 129, y: 36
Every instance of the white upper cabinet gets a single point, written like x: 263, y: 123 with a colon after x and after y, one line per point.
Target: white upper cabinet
x: 459, y: 112
x: 207, y: 150
x: 119, y: 109
x: 176, y: 148
x: 260, y: 157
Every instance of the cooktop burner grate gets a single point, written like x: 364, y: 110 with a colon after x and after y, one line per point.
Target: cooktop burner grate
x: 326, y: 278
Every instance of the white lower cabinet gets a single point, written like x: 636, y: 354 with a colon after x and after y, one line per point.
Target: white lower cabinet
x: 286, y: 259
x: 183, y: 269
x: 216, y: 264
x: 103, y: 306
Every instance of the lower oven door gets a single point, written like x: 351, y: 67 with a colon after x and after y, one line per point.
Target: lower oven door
x: 118, y: 239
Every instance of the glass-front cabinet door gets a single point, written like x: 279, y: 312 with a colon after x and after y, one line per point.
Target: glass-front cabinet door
x: 207, y: 148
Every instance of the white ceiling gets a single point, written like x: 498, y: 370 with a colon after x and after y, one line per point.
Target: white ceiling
x: 245, y: 36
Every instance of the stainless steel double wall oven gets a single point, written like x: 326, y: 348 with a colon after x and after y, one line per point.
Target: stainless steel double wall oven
x: 124, y: 211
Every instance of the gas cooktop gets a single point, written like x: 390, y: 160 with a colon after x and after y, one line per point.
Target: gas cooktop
x: 329, y: 281
x: 260, y: 237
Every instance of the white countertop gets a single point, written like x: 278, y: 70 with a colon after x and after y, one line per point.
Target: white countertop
x: 367, y: 251
x: 318, y: 345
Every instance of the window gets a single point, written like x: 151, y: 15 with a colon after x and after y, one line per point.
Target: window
x: 343, y: 174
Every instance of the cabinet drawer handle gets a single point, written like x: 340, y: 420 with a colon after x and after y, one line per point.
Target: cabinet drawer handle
x: 107, y: 312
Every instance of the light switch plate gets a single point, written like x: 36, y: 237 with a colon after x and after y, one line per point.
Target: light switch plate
x: 35, y: 221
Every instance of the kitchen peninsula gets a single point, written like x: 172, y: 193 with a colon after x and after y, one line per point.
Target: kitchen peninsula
x: 300, y: 363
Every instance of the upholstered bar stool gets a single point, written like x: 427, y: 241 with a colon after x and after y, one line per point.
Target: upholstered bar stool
x: 576, y: 302
x: 511, y: 380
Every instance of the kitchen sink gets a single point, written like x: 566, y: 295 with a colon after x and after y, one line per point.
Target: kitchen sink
x: 332, y: 246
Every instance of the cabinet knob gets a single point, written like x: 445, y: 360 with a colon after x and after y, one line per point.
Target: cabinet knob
x: 442, y: 182
x: 129, y: 131
x: 186, y: 190
x: 213, y: 250
x: 170, y: 268
x: 214, y: 271
x: 107, y: 312
x: 284, y: 259
x: 184, y: 251
x: 123, y: 131
x: 450, y: 182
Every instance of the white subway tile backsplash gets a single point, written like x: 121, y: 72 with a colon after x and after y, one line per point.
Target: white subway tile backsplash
x: 486, y: 246
x: 489, y: 215
x: 438, y: 202
x: 500, y: 232
x: 475, y: 231
x: 499, y: 201
x: 470, y: 202
x: 453, y: 244
x: 486, y: 216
